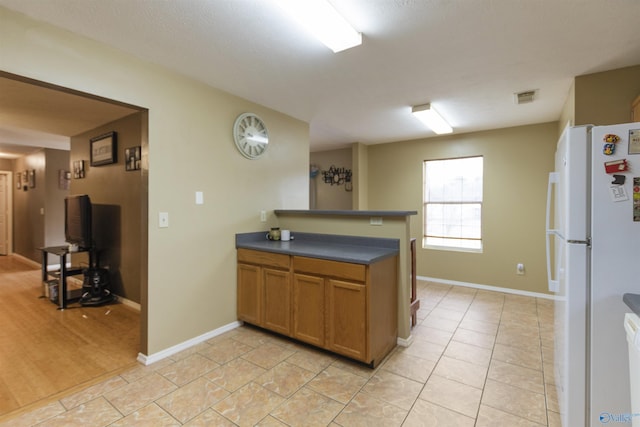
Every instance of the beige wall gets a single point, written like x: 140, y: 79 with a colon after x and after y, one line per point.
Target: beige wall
x: 28, y: 223
x: 56, y: 160
x: 38, y: 213
x: 191, y: 265
x: 516, y: 165
x: 329, y: 196
x: 6, y: 164
x: 116, y: 197
x: 360, y: 156
x: 605, y: 98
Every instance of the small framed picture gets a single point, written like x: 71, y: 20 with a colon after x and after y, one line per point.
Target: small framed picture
x: 132, y: 158
x: 104, y: 149
x: 32, y: 178
x: 78, y: 169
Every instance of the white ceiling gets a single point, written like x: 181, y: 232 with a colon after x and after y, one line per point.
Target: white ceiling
x: 466, y: 57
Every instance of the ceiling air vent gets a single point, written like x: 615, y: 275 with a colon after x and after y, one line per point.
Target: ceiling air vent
x: 524, y: 97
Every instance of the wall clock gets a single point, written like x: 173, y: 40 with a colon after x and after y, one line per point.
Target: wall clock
x: 250, y: 135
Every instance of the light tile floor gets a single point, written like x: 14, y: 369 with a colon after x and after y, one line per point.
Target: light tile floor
x: 478, y: 358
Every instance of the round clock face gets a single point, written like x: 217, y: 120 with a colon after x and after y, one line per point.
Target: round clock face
x: 250, y: 135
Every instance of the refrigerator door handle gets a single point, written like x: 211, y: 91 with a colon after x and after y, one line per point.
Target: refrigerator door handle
x: 553, y: 180
x: 554, y: 284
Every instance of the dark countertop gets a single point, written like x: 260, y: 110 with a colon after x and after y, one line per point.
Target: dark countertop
x: 633, y: 301
x: 343, y: 212
x: 357, y: 250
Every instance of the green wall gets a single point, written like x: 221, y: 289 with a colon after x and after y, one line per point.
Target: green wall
x: 517, y: 162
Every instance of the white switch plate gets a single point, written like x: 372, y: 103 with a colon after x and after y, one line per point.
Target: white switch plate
x: 163, y: 219
x: 199, y: 198
x: 375, y: 220
x: 263, y: 216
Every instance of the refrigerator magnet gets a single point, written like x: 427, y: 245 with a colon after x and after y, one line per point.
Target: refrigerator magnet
x: 634, y: 141
x: 616, y: 166
x: 618, y: 193
x: 608, y: 149
x: 618, y: 179
x: 611, y: 138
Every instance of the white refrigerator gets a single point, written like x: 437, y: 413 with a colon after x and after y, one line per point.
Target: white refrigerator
x: 593, y: 258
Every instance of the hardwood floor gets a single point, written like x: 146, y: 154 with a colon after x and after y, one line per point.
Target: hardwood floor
x: 45, y: 351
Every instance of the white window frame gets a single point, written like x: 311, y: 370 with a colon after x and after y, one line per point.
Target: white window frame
x: 455, y: 192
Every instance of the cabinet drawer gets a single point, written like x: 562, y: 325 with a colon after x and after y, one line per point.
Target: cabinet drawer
x: 263, y: 258
x: 323, y: 267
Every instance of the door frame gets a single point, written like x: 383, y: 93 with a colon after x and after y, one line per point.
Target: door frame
x: 9, y: 219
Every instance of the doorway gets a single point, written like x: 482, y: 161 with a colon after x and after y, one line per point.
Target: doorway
x: 5, y: 212
x: 41, y: 107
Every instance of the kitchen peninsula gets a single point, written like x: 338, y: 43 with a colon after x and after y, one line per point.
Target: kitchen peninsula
x: 341, y: 284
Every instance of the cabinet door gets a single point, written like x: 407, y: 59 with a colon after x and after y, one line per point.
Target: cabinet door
x: 347, y: 318
x: 249, y: 290
x: 277, y: 300
x: 308, y: 309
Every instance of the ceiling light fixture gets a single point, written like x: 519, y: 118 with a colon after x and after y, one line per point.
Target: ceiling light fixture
x: 430, y: 117
x: 324, y: 22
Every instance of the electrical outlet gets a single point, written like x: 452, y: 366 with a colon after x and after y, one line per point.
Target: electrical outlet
x: 375, y: 220
x: 520, y: 269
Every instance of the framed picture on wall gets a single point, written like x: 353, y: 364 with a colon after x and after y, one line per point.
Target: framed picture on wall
x: 104, y: 149
x: 32, y: 178
x: 78, y: 169
x: 132, y: 158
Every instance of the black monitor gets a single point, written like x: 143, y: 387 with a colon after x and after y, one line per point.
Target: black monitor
x: 77, y: 220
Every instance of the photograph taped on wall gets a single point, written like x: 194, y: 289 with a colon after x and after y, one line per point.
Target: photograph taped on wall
x: 104, y: 149
x: 132, y: 158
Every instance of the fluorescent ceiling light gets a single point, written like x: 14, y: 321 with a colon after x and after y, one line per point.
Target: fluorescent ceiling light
x: 324, y: 22
x: 430, y: 117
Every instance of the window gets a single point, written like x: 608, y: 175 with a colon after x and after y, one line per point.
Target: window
x: 453, y: 204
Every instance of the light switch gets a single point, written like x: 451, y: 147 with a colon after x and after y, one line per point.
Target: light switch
x: 199, y: 198
x: 163, y: 219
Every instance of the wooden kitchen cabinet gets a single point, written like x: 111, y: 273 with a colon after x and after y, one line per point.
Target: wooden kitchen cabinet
x: 264, y: 290
x: 360, y: 305
x: 249, y: 290
x: 277, y: 300
x: 346, y: 308
x: 309, y: 309
x: 347, y: 318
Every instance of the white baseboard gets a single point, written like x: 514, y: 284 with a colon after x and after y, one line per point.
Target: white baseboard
x: 487, y: 287
x: 152, y: 358
x: 405, y: 342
